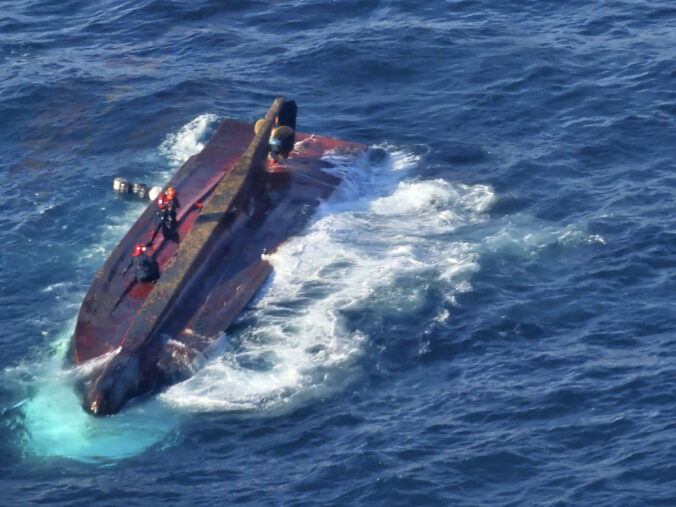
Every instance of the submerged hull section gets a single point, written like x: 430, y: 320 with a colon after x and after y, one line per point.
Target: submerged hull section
x: 157, y: 333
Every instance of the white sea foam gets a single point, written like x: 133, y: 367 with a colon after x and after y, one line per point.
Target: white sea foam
x: 379, y: 245
x: 189, y: 140
x: 60, y: 286
x: 523, y: 235
x: 572, y: 235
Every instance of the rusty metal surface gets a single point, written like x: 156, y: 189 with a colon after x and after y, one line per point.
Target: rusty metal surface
x: 100, y: 327
x: 215, y: 217
x: 215, y: 272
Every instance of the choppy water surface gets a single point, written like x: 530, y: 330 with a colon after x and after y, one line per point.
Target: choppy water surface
x: 482, y: 314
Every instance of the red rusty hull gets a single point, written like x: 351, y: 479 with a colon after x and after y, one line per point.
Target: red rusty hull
x: 101, y: 324
x: 160, y: 344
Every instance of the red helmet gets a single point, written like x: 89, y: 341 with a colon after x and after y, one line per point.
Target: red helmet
x: 138, y: 250
x: 170, y: 193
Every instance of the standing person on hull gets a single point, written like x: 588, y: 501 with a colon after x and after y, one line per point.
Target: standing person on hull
x: 167, y: 203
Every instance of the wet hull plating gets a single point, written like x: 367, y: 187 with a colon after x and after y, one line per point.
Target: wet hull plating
x: 156, y: 334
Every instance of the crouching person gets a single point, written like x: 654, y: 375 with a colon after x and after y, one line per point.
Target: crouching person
x: 146, y: 269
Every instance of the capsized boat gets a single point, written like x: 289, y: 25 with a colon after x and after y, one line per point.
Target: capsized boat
x: 236, y: 206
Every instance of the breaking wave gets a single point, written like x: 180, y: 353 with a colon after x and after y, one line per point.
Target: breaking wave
x: 189, y: 140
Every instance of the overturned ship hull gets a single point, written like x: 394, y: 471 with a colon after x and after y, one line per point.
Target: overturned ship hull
x: 153, y: 332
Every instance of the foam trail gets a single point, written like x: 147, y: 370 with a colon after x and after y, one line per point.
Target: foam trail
x: 384, y: 244
x: 377, y: 245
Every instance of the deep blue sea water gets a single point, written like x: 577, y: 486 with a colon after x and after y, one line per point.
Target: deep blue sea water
x: 483, y: 314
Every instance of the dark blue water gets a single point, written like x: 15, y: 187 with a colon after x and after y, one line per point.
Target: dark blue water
x: 483, y: 314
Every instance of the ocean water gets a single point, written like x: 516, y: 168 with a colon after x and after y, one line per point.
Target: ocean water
x: 482, y: 314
